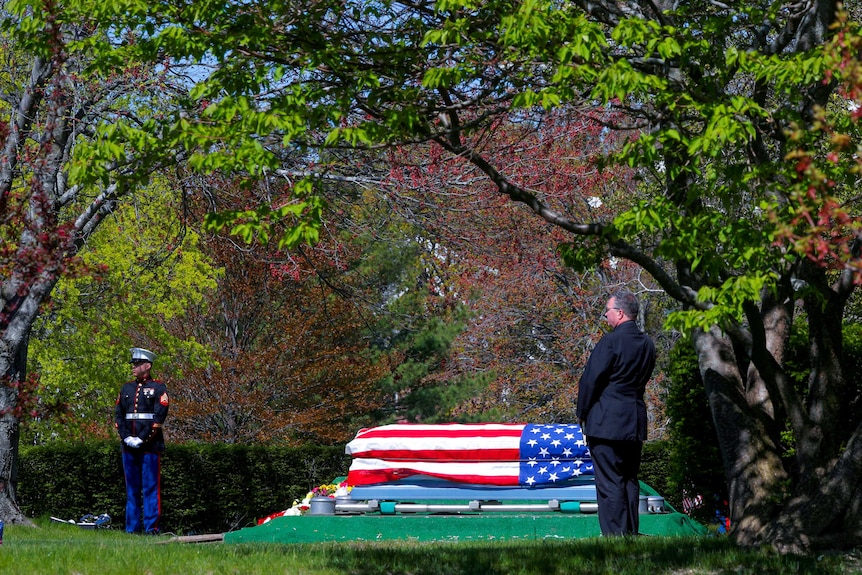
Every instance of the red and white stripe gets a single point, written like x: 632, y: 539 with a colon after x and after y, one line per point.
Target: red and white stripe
x: 485, y: 453
x: 439, y: 442
x: 371, y: 471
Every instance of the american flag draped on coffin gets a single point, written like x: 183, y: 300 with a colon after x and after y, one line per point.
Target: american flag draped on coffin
x: 462, y: 482
x: 471, y: 461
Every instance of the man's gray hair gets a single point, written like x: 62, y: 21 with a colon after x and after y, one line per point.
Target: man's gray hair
x: 627, y: 302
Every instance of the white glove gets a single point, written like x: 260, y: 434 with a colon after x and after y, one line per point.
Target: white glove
x: 133, y: 441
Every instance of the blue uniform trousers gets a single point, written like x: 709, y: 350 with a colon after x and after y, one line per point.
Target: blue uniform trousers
x: 143, y: 490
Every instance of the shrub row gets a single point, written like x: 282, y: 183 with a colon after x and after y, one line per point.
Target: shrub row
x: 206, y: 488
x: 654, y: 471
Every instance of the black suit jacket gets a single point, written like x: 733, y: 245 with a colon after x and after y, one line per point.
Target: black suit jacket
x: 611, y: 389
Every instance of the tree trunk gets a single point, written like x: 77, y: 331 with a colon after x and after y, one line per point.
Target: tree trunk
x: 752, y: 466
x: 827, y: 514
x: 771, y: 501
x: 16, y: 362
x: 9, y: 511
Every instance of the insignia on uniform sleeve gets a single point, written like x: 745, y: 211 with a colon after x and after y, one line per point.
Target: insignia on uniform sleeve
x: 164, y: 399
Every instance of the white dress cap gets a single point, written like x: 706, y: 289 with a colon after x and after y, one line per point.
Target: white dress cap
x: 139, y: 353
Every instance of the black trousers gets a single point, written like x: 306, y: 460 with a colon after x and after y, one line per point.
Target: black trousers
x: 616, y: 465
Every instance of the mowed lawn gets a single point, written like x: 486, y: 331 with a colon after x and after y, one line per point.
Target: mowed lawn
x: 68, y: 549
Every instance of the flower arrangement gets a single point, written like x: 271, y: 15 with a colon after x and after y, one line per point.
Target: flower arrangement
x: 325, y: 490
x: 301, y: 507
x: 330, y: 490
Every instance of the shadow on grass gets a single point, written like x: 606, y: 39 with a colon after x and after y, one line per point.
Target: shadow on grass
x: 573, y: 557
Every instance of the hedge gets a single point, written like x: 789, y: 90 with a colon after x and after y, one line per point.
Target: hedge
x: 654, y: 471
x: 206, y: 488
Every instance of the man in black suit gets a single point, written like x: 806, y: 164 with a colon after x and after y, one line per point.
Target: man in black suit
x: 612, y: 413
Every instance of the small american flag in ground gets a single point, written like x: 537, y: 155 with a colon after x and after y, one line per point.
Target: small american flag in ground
x: 529, y: 455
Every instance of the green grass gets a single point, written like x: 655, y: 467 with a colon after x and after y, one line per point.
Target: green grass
x: 67, y: 549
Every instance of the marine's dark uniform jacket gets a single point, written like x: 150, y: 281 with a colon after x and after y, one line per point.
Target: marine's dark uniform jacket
x: 141, y: 409
x: 611, y: 390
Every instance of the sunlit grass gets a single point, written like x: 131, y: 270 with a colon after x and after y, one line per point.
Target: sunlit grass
x: 67, y: 549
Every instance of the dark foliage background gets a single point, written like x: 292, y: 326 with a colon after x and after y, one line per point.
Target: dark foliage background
x: 206, y: 488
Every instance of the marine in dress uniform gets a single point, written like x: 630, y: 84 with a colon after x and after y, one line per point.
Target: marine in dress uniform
x: 613, y: 416
x: 140, y: 412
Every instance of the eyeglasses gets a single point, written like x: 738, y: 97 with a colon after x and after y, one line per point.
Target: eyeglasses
x: 137, y: 362
x: 610, y: 309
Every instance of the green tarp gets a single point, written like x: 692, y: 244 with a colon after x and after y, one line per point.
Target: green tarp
x: 482, y: 526
x: 478, y: 527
